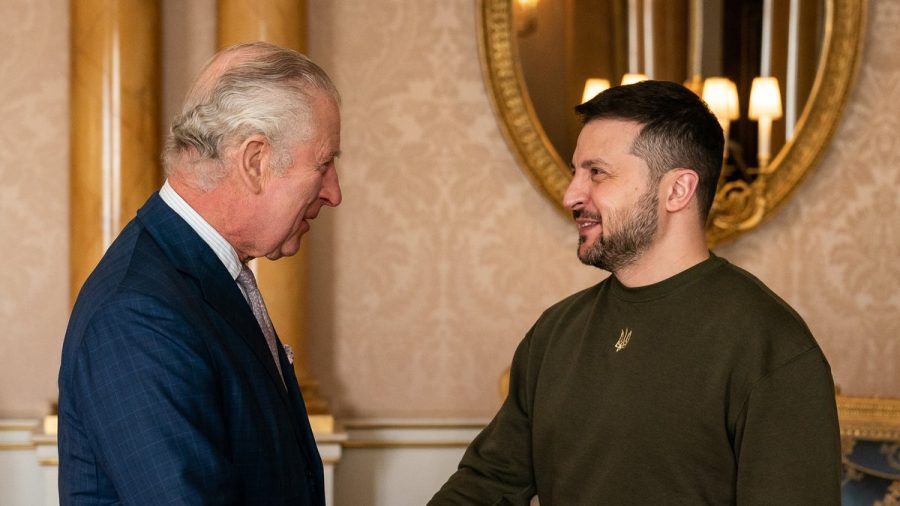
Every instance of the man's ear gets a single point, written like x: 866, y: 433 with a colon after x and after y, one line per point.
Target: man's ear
x: 681, y: 188
x: 252, y: 157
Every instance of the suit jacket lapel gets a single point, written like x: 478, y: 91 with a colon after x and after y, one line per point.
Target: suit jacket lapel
x: 192, y: 256
x: 227, y: 300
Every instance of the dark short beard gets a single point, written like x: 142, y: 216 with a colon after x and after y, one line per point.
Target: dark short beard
x: 634, y: 235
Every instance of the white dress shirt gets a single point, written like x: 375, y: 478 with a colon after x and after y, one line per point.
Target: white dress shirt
x: 223, y: 250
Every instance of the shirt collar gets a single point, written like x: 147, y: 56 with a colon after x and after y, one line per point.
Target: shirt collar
x: 223, y: 250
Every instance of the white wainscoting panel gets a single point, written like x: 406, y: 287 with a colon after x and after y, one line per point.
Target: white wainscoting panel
x: 23, y: 480
x: 29, y: 463
x: 391, y: 462
x: 368, y: 462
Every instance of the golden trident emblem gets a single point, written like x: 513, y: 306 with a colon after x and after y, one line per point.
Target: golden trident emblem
x: 624, y: 337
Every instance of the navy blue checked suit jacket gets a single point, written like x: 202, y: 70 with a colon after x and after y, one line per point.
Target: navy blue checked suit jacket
x: 167, y: 391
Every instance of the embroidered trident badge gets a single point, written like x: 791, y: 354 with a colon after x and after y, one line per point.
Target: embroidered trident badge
x: 624, y: 337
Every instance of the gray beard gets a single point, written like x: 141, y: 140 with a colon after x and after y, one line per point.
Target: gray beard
x: 634, y: 235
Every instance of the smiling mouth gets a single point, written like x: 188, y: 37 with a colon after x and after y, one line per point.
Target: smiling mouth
x: 584, y: 221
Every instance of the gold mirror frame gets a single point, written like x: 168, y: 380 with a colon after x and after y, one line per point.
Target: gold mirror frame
x: 736, y: 210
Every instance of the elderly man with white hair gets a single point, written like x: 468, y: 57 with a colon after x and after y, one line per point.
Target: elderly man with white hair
x: 174, y: 386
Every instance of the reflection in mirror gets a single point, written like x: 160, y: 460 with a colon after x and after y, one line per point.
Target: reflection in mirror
x: 754, y: 62
x: 539, y: 54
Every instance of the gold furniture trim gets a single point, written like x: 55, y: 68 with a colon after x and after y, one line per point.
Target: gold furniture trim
x: 869, y: 418
x: 731, y: 216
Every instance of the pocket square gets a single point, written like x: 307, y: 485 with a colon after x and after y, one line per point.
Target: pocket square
x: 289, y: 352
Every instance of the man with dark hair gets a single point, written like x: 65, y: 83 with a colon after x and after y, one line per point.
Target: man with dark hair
x: 679, y: 379
x: 174, y: 387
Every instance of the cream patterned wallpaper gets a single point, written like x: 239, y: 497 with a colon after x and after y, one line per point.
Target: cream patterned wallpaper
x: 34, y: 201
x: 443, y: 254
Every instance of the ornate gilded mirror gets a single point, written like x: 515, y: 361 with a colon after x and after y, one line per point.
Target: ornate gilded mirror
x: 539, y: 56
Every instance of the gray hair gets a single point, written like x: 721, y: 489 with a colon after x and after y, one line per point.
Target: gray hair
x: 266, y: 92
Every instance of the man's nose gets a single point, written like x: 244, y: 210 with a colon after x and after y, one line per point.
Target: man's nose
x: 331, y: 189
x: 575, y: 193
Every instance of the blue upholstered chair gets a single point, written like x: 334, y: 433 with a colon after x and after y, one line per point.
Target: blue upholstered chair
x: 870, y: 439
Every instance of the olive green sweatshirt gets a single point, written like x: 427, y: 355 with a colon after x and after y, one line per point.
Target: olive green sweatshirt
x: 705, y: 388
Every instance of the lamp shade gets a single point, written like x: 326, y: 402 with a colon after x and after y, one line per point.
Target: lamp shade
x: 765, y: 98
x: 592, y: 87
x: 633, y: 78
x: 720, y: 93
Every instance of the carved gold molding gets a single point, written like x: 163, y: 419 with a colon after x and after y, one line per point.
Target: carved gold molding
x: 869, y: 418
x: 503, y: 74
x: 738, y: 208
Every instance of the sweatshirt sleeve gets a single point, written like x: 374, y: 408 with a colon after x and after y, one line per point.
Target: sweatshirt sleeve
x: 497, y: 468
x: 787, y: 441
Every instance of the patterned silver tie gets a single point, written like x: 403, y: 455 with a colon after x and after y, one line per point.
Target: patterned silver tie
x: 248, y: 282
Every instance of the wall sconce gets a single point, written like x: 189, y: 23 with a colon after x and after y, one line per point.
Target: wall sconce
x: 526, y: 17
x: 720, y: 94
x: 633, y: 78
x: 765, y: 106
x: 592, y: 87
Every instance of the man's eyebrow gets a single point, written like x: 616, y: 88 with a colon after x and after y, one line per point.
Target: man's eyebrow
x: 594, y: 161
x: 587, y: 164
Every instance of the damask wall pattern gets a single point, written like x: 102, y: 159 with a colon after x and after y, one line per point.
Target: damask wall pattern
x: 34, y: 201
x: 443, y: 253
